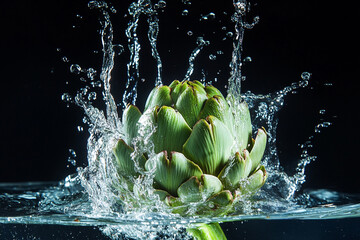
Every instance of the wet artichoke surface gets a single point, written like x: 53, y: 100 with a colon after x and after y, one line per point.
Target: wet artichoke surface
x: 203, y: 150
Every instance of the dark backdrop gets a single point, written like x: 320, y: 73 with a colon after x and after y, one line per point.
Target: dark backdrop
x: 37, y: 128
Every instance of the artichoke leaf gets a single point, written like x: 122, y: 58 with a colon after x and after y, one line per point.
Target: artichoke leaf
x: 217, y: 106
x: 159, y: 96
x: 177, y: 88
x: 190, y: 191
x: 194, y: 190
x: 212, y: 91
x: 190, y: 102
x: 172, y: 170
x: 209, y: 145
x: 258, y: 149
x: 130, y: 118
x: 243, y: 128
x: 172, y: 130
x: 124, y: 160
x: 235, y: 170
x: 254, y: 182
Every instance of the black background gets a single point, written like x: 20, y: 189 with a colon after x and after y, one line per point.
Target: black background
x: 292, y: 37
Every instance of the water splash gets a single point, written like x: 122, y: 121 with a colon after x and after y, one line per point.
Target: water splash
x: 93, y: 194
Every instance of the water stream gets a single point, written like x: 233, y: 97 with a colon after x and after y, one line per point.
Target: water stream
x: 88, y: 198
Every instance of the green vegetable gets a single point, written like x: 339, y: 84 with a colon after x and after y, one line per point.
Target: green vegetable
x: 203, y: 155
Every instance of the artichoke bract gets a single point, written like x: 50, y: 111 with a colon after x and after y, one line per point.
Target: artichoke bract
x: 201, y: 153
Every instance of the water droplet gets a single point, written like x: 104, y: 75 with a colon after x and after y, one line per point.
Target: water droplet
x: 75, y: 68
x: 66, y: 97
x: 223, y: 28
x: 186, y: 2
x: 92, y: 96
x: 219, y: 52
x: 96, y: 84
x: 322, y: 125
x: 229, y: 34
x: 80, y: 128
x: 212, y: 57
x: 118, y: 49
x: 142, y: 79
x: 58, y: 49
x: 322, y: 111
x: 112, y: 9
x: 209, y: 16
x: 248, y: 59
x: 72, y: 153
x: 189, y: 33
x: 65, y: 59
x: 185, y: 12
x: 79, y: 16
x: 305, y: 76
x: 91, y: 73
x: 161, y: 4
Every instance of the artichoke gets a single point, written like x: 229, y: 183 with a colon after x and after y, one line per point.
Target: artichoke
x: 203, y: 153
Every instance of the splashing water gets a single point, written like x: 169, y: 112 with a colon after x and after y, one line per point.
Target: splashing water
x: 94, y: 195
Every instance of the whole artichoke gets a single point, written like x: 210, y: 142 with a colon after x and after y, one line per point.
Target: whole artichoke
x: 202, y: 153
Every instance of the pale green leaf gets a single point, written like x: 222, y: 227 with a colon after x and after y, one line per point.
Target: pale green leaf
x: 130, y: 119
x: 171, y: 170
x: 209, y: 145
x: 171, y: 132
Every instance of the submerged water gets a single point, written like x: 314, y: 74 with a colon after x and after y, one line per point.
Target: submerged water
x: 88, y: 198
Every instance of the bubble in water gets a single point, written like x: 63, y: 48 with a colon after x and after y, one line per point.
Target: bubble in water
x: 75, y: 68
x: 212, y: 57
x: 185, y: 12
